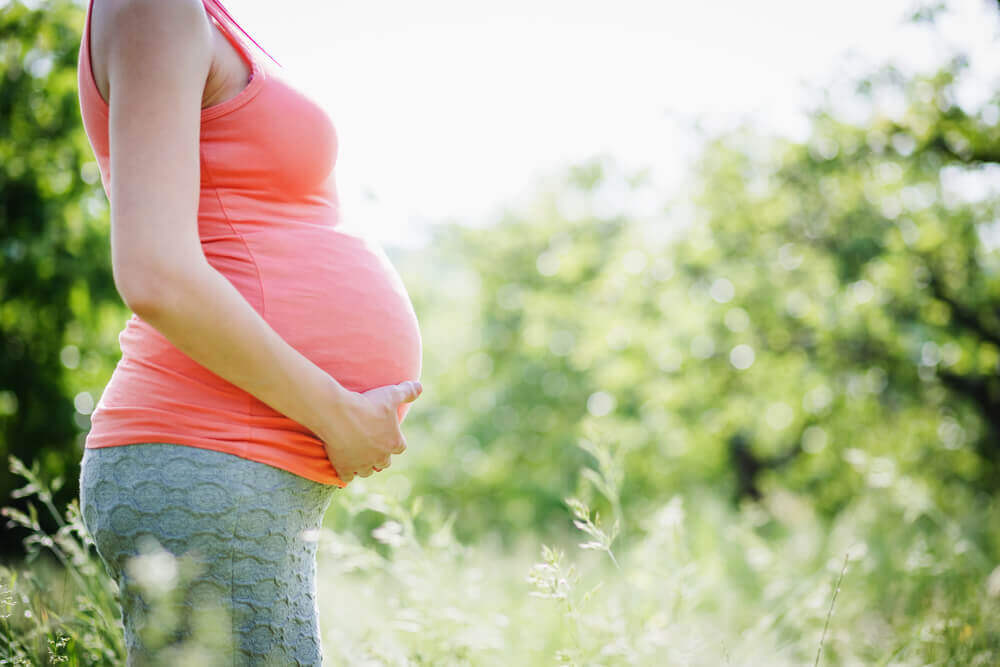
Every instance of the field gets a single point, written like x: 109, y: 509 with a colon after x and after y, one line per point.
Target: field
x: 697, y: 584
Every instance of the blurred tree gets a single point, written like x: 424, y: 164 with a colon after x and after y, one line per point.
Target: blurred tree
x: 827, y: 318
x: 866, y: 263
x: 59, y: 310
x: 822, y: 315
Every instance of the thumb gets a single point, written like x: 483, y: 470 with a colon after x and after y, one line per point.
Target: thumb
x: 410, y: 390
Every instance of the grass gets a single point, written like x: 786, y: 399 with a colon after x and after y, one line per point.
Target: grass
x: 702, y: 583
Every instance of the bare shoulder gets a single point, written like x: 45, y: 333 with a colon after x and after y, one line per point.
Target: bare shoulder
x: 162, y: 15
x: 152, y: 31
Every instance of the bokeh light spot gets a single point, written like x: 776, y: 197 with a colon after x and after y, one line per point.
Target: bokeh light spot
x: 779, y: 415
x: 84, y: 403
x: 741, y: 356
x: 70, y: 356
x: 702, y: 346
x: 722, y: 290
x: 736, y: 320
x: 600, y: 403
x: 814, y: 439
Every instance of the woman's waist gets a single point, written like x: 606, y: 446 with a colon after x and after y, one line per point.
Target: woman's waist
x: 362, y: 347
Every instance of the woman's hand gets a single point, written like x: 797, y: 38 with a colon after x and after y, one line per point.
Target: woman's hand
x: 363, y: 431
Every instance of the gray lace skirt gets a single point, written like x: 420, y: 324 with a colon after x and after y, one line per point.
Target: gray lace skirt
x: 214, y: 555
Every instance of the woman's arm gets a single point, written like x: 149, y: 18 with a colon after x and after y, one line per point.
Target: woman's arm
x: 159, y: 55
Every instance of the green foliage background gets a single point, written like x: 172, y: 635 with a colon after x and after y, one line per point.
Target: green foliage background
x: 812, y: 337
x: 59, y: 310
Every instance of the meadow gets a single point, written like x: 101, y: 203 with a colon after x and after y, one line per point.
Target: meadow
x: 700, y: 583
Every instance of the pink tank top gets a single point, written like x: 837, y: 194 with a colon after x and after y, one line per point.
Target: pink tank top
x: 268, y: 219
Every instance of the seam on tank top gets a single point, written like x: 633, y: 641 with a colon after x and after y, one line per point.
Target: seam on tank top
x: 260, y: 283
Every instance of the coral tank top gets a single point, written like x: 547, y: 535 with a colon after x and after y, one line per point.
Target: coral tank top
x: 269, y: 221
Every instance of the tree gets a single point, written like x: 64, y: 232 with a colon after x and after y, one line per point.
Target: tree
x: 59, y: 310
x: 826, y: 319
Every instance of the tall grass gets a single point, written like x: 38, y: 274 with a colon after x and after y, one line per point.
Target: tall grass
x: 59, y: 606
x: 699, y: 583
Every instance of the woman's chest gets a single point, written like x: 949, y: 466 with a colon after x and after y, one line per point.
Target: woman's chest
x: 281, y: 142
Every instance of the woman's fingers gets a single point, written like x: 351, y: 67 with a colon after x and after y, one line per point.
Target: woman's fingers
x: 403, y: 392
x: 383, y: 464
x: 407, y: 391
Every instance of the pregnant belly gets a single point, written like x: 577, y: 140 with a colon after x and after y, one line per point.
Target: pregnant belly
x: 337, y: 299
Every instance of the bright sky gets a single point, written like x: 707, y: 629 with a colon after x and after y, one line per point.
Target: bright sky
x: 449, y: 109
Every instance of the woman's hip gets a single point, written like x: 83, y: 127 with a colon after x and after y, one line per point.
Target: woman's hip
x: 191, y: 498
x: 247, y: 530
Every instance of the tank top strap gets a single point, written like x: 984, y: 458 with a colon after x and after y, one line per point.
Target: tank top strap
x: 227, y: 23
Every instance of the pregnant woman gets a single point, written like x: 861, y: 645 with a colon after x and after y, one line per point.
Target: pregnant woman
x: 271, y: 355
